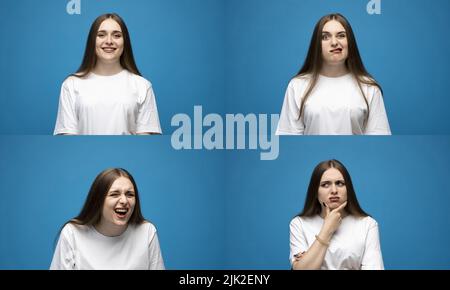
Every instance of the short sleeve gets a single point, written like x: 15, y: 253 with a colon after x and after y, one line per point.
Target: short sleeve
x: 148, y: 119
x: 372, y: 258
x: 297, y: 239
x: 290, y: 123
x: 156, y: 261
x: 66, y: 120
x: 64, y: 256
x: 377, y: 124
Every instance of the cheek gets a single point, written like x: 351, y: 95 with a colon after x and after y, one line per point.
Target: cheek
x: 322, y: 194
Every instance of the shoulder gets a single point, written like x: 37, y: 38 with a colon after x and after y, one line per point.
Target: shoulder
x: 71, y: 230
x: 367, y: 221
x: 295, y: 222
x: 139, y: 80
x: 70, y: 81
x: 369, y: 83
x: 146, y: 228
x: 300, y: 80
x: 298, y: 221
x: 370, y: 221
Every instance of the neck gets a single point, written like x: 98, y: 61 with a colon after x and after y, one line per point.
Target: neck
x: 107, y: 69
x: 110, y: 230
x: 334, y: 71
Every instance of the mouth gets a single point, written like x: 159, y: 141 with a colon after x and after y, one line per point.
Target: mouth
x: 121, y: 212
x: 336, y: 50
x: 109, y: 49
x: 334, y: 199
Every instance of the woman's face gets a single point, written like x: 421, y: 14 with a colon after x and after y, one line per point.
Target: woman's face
x: 332, y: 189
x: 334, y: 43
x: 119, y: 202
x: 109, y: 42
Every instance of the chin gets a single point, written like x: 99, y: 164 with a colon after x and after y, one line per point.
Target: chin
x: 121, y: 223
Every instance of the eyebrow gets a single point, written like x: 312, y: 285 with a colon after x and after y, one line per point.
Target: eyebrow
x: 114, y: 31
x: 326, y: 32
x: 117, y: 190
x: 337, y: 180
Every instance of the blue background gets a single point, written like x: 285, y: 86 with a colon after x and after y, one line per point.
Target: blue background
x: 45, y: 180
x: 233, y: 56
x: 401, y: 181
x: 227, y: 209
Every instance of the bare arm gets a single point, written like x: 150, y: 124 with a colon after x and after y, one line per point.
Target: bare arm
x: 313, y: 258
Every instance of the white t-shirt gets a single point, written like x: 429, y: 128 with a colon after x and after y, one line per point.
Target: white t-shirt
x: 334, y: 107
x: 121, y: 104
x: 355, y: 245
x: 84, y: 248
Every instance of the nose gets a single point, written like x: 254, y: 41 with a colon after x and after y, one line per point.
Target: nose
x: 123, y: 199
x: 334, y: 41
x: 109, y: 39
x: 334, y: 189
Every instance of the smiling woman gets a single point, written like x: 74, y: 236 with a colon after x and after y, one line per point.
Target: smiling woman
x: 333, y: 94
x: 110, y: 231
x: 107, y: 95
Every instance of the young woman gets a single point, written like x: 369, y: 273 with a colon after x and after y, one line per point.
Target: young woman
x: 333, y: 94
x: 333, y: 232
x: 107, y: 95
x: 110, y: 231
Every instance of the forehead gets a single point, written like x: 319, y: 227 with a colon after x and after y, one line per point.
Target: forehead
x: 110, y: 25
x: 332, y: 174
x: 333, y: 26
x: 121, y: 183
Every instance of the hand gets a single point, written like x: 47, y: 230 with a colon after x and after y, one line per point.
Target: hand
x: 299, y: 256
x: 332, y: 220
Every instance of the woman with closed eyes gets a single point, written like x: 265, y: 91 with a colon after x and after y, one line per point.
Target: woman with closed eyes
x: 110, y: 232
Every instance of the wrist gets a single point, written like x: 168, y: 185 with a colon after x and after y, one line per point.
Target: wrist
x: 322, y: 241
x: 325, y: 235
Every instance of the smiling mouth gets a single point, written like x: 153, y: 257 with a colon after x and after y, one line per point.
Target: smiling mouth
x: 121, y: 212
x: 109, y: 49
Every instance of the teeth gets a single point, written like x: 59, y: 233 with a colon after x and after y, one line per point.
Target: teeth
x: 120, y: 210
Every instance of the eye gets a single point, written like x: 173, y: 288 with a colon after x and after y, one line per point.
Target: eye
x: 341, y: 36
x: 100, y: 35
x: 130, y: 194
x: 325, y: 36
x: 114, y: 194
x: 325, y: 184
x: 340, y: 183
x: 117, y: 35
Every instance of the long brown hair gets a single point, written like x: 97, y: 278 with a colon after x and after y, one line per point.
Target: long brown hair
x: 90, y: 57
x: 91, y: 212
x: 312, y: 205
x: 313, y: 63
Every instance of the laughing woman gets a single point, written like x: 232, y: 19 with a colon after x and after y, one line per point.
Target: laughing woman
x: 333, y: 94
x: 110, y: 231
x: 107, y: 95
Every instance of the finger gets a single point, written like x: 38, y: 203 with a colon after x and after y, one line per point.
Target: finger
x: 341, y: 207
x: 327, y: 209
